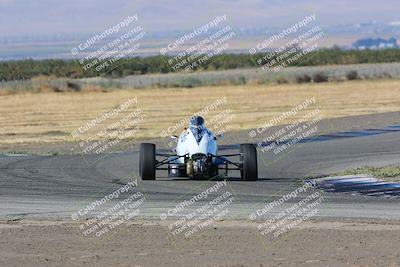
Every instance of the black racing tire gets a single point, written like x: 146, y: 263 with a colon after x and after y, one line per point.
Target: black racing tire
x: 147, y: 161
x: 182, y: 172
x: 249, y: 170
x: 214, y: 171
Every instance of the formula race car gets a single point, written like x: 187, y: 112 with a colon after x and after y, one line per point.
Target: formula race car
x: 196, y: 156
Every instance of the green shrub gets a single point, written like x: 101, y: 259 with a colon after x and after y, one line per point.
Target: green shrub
x: 352, y: 75
x: 189, y: 82
x: 320, y: 77
x: 303, y: 78
x: 282, y: 80
x: 73, y: 86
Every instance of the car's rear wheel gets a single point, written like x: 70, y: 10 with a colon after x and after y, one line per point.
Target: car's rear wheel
x: 147, y: 161
x: 249, y: 170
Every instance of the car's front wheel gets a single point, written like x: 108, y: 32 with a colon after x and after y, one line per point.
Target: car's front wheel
x: 249, y: 170
x: 147, y: 161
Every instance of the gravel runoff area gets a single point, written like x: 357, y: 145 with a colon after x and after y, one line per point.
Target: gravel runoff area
x: 233, y: 243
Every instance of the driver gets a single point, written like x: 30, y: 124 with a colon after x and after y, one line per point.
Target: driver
x: 197, y: 127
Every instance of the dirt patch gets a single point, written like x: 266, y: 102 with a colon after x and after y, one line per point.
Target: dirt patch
x: 321, y: 243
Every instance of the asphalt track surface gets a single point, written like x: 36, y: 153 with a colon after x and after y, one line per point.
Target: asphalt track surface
x: 58, y: 186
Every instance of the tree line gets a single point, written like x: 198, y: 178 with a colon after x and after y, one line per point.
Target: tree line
x: 28, y: 69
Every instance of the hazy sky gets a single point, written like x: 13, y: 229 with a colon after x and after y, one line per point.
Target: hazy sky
x: 82, y: 16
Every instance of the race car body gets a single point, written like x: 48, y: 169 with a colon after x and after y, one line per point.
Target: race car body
x: 196, y: 156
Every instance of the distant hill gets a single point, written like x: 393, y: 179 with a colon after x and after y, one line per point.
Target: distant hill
x: 378, y: 43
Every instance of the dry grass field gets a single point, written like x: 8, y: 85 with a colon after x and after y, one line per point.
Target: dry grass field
x: 52, y: 117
